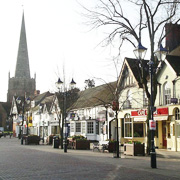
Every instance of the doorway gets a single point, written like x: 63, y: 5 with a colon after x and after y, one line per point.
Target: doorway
x: 164, y: 138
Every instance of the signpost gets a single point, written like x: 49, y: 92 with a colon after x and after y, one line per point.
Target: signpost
x: 152, y: 125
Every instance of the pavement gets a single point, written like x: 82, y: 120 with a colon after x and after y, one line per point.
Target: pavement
x: 45, y: 162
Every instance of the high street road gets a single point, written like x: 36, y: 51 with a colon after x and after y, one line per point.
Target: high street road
x: 26, y: 162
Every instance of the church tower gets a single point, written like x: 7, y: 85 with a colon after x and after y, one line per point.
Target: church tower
x: 22, y: 82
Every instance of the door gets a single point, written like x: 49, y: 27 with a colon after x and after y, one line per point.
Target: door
x: 164, y: 138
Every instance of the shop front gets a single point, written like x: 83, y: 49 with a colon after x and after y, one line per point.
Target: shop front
x: 162, y: 124
x: 173, y: 140
x: 134, y: 126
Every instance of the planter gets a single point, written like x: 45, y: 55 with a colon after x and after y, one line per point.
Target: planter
x: 31, y: 140
x: 81, y: 144
x: 134, y: 149
x: 112, y: 146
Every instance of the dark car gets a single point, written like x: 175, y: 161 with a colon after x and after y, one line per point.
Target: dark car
x: 1, y: 134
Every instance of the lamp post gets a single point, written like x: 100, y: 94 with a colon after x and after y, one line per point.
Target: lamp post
x: 61, y: 87
x: 115, y: 107
x: 140, y: 52
x: 41, y: 131
x: 25, y: 101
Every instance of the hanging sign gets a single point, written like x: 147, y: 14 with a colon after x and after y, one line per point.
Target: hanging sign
x: 152, y: 125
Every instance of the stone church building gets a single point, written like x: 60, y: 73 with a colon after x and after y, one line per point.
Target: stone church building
x: 22, y: 83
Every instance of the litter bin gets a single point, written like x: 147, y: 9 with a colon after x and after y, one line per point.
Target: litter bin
x: 55, y: 142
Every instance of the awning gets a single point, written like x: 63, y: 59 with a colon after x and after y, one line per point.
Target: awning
x: 139, y: 119
x: 156, y: 118
x: 160, y: 118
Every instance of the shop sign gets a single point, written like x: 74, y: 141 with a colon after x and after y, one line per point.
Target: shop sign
x: 174, y: 100
x: 143, y: 112
x: 152, y: 125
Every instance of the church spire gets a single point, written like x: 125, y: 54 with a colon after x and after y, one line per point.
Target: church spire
x: 22, y: 64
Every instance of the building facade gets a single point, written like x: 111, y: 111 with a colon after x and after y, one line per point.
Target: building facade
x: 133, y: 105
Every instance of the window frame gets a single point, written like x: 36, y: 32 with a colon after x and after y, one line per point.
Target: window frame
x: 78, y: 127
x: 127, y: 124
x: 90, y: 127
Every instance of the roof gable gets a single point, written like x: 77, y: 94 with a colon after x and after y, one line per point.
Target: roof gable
x: 132, y: 66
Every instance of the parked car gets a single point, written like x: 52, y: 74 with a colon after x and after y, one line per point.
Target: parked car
x: 1, y: 134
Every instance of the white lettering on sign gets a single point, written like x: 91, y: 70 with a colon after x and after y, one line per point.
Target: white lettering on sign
x: 142, y: 112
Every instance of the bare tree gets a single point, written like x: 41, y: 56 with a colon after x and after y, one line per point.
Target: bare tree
x: 65, y: 100
x: 145, y: 18
x: 90, y: 83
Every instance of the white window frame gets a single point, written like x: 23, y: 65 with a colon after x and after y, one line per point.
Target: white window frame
x: 167, y: 94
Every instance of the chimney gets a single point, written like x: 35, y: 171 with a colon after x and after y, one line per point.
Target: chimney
x: 172, y: 36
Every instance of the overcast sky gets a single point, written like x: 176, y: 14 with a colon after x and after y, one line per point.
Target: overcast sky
x: 56, y: 38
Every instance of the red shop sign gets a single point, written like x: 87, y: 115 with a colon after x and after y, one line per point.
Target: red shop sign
x: 143, y: 112
x: 152, y: 125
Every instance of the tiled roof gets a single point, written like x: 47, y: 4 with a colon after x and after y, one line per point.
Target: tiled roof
x: 99, y: 95
x: 174, y: 61
x: 134, y: 65
x: 41, y: 97
x: 6, y: 106
x: 48, y: 101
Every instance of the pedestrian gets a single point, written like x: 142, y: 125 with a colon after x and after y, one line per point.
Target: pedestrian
x: 10, y: 135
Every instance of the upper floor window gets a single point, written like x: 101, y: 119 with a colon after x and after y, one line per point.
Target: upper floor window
x: 127, y: 103
x: 167, y: 94
x: 177, y: 114
x: 81, y: 112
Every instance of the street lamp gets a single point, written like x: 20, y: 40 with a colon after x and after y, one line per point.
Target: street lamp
x: 115, y: 107
x: 160, y: 53
x: 59, y: 85
x: 25, y: 101
x: 41, y: 130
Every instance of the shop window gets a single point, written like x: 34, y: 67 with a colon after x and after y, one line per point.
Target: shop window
x: 168, y: 129
x: 78, y: 127
x: 178, y: 130
x: 97, y: 127
x: 90, y: 127
x: 138, y: 130
x: 156, y: 131
x: 128, y: 125
x: 172, y: 130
